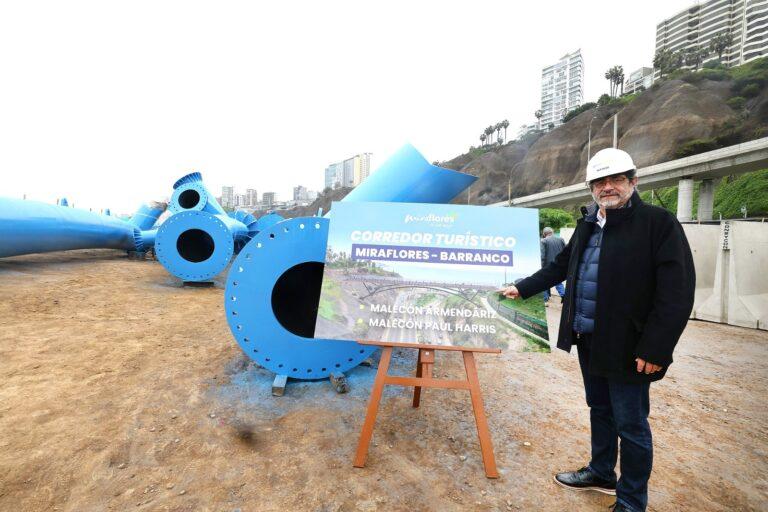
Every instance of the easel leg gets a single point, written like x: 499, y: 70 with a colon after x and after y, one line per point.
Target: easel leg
x: 373, y: 408
x: 486, y: 448
x: 417, y: 389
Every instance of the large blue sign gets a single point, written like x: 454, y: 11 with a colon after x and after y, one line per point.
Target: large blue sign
x: 429, y: 274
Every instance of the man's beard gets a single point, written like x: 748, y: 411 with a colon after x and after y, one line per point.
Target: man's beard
x: 612, y: 201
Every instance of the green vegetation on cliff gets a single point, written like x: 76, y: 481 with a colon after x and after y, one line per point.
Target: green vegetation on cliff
x: 749, y: 190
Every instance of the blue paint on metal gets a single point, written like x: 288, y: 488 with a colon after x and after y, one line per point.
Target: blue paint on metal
x: 407, y: 177
x: 28, y: 227
x: 250, y: 222
x: 197, y: 245
x: 145, y: 239
x: 404, y: 177
x: 147, y: 214
x: 248, y: 303
x: 190, y: 193
x: 62, y: 202
x: 267, y: 221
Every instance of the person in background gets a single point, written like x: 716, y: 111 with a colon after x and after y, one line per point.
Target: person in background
x: 551, y: 246
x: 630, y: 279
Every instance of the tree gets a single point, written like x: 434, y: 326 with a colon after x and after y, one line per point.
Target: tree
x: 482, y: 139
x: 693, y: 57
x: 609, y: 76
x: 664, y: 61
x: 505, y: 124
x: 620, y: 77
x: 488, y: 134
x: 538, y: 115
x: 615, y: 77
x: 555, y: 219
x: 720, y: 43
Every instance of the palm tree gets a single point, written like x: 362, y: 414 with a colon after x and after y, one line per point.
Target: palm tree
x: 693, y: 57
x: 538, y: 115
x: 610, y: 76
x: 497, y: 129
x: 662, y: 61
x: 482, y: 139
x: 720, y: 43
x: 488, y: 133
x: 619, y: 72
x: 504, y: 125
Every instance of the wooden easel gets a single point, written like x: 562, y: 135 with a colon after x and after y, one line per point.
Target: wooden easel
x: 424, y: 378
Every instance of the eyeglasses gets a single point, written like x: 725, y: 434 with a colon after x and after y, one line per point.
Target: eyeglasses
x: 616, y: 180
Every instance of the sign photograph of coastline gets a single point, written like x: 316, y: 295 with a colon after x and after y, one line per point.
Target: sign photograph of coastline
x: 428, y: 274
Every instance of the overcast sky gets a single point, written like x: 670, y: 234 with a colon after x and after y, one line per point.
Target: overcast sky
x: 108, y: 103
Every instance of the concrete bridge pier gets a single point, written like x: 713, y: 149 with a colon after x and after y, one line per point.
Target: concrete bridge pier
x: 685, y: 200
x: 706, y: 199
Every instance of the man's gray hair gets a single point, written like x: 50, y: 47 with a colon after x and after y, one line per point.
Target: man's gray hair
x: 548, y: 231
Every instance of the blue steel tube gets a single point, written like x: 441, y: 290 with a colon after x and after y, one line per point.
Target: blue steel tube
x: 147, y: 214
x: 197, y: 245
x: 189, y: 193
x: 28, y: 227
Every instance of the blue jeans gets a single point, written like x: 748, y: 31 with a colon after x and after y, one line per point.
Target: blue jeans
x: 560, y: 290
x: 619, y: 411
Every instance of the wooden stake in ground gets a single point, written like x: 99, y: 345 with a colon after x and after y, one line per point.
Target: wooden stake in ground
x: 424, y: 378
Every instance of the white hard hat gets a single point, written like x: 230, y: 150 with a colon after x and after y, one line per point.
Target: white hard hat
x: 607, y: 162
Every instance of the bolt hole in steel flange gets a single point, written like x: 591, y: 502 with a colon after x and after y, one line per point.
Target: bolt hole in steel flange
x: 189, y: 198
x: 296, y: 312
x: 195, y: 245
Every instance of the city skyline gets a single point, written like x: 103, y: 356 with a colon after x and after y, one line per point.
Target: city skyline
x: 71, y: 137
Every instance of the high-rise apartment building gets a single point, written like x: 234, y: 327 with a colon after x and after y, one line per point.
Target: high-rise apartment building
x: 228, y: 197
x: 300, y: 193
x: 269, y: 198
x: 562, y: 88
x: 350, y: 172
x: 696, y: 26
x: 251, y: 197
x: 334, y: 174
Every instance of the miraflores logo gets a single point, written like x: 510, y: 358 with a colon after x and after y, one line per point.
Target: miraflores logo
x: 443, y: 219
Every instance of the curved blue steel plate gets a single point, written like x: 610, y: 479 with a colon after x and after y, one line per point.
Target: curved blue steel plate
x: 248, y: 303
x: 407, y: 177
x: 267, y: 221
x: 168, y: 234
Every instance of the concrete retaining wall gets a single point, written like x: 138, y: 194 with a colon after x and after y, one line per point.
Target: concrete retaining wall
x: 739, y: 293
x: 703, y: 239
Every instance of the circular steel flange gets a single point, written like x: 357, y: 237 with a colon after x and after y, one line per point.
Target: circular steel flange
x: 198, y: 187
x: 168, y: 254
x: 248, y: 303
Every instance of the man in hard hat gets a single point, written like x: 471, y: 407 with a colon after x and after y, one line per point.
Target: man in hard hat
x: 630, y: 276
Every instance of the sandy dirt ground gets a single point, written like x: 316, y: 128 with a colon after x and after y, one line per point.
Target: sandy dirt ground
x: 121, y: 390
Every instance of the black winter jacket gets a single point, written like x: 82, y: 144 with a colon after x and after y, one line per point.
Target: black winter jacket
x: 645, y: 290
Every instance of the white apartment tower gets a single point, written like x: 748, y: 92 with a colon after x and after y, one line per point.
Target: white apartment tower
x: 694, y: 27
x: 350, y: 172
x: 228, y: 197
x: 562, y: 88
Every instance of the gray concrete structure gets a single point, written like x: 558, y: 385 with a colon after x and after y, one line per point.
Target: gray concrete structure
x: 685, y: 200
x: 737, y: 159
x: 739, y: 286
x: 706, y: 199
